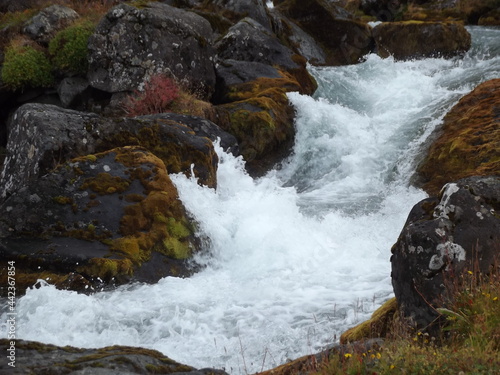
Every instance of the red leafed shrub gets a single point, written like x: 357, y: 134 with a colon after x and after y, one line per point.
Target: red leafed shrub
x: 159, y: 94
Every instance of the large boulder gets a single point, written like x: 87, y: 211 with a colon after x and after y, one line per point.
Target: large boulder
x: 104, y: 218
x: 468, y: 143
x: 415, y: 39
x: 444, y: 239
x: 33, y: 357
x: 42, y: 136
x: 262, y: 122
x: 344, y: 39
x: 297, y: 39
x: 238, y: 9
x: 44, y: 25
x: 131, y: 44
x: 249, y: 41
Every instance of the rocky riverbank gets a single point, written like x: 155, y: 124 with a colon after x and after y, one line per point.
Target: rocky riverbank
x: 100, y: 104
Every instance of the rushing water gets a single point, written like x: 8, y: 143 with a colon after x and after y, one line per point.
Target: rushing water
x: 295, y: 257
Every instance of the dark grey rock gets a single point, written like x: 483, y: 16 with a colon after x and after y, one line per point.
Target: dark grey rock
x: 255, y: 9
x: 37, y: 358
x: 443, y: 238
x: 70, y: 89
x: 250, y: 41
x: 43, y: 26
x: 130, y: 45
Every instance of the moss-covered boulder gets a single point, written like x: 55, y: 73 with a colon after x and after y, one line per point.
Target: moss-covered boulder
x: 468, y: 143
x: 344, y: 39
x: 262, y: 122
x: 33, y: 357
x: 42, y: 136
x: 492, y: 18
x: 105, y: 218
x: 415, y: 39
x: 378, y: 325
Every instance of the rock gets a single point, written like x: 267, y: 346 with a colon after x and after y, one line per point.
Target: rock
x: 255, y: 9
x: 444, y: 239
x: 379, y: 324
x: 263, y: 126
x: 108, y: 218
x: 34, y: 357
x: 297, y: 39
x: 42, y: 136
x: 469, y: 140
x: 236, y: 78
x: 415, y: 39
x: 43, y: 26
x: 249, y: 41
x: 70, y: 89
x: 131, y: 44
x: 344, y: 39
x: 491, y: 18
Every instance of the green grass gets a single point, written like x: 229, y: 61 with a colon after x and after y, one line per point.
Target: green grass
x: 469, y: 343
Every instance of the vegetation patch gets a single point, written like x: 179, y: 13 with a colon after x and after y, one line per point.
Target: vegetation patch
x: 68, y: 48
x: 25, y: 66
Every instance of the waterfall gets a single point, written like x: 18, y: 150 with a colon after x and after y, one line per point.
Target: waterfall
x: 298, y: 256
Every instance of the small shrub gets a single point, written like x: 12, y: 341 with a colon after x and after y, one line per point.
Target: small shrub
x: 26, y: 66
x: 158, y: 96
x: 68, y: 48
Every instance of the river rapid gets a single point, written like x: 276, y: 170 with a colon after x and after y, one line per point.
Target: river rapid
x: 300, y: 255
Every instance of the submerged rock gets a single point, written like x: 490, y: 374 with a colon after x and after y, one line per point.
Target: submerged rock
x: 101, y: 219
x: 33, y: 357
x: 469, y: 140
x: 412, y: 39
x: 444, y: 239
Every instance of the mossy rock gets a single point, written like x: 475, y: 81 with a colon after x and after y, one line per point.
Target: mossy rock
x: 263, y: 126
x: 36, y: 357
x: 417, y: 39
x: 106, y: 217
x: 377, y: 326
x: 469, y: 140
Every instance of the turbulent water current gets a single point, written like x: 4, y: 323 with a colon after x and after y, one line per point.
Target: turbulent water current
x: 299, y: 255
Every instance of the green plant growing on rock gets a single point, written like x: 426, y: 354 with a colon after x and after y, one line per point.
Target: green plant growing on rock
x: 25, y: 66
x: 68, y: 49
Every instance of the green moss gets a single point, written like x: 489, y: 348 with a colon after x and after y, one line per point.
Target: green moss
x: 377, y: 326
x: 62, y: 200
x: 68, y: 48
x: 104, y: 184
x: 24, y: 66
x: 106, y: 269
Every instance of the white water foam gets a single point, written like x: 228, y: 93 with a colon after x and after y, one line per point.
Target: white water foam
x: 297, y: 256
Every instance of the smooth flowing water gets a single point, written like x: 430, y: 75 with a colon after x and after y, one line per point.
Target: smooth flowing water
x: 300, y: 255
